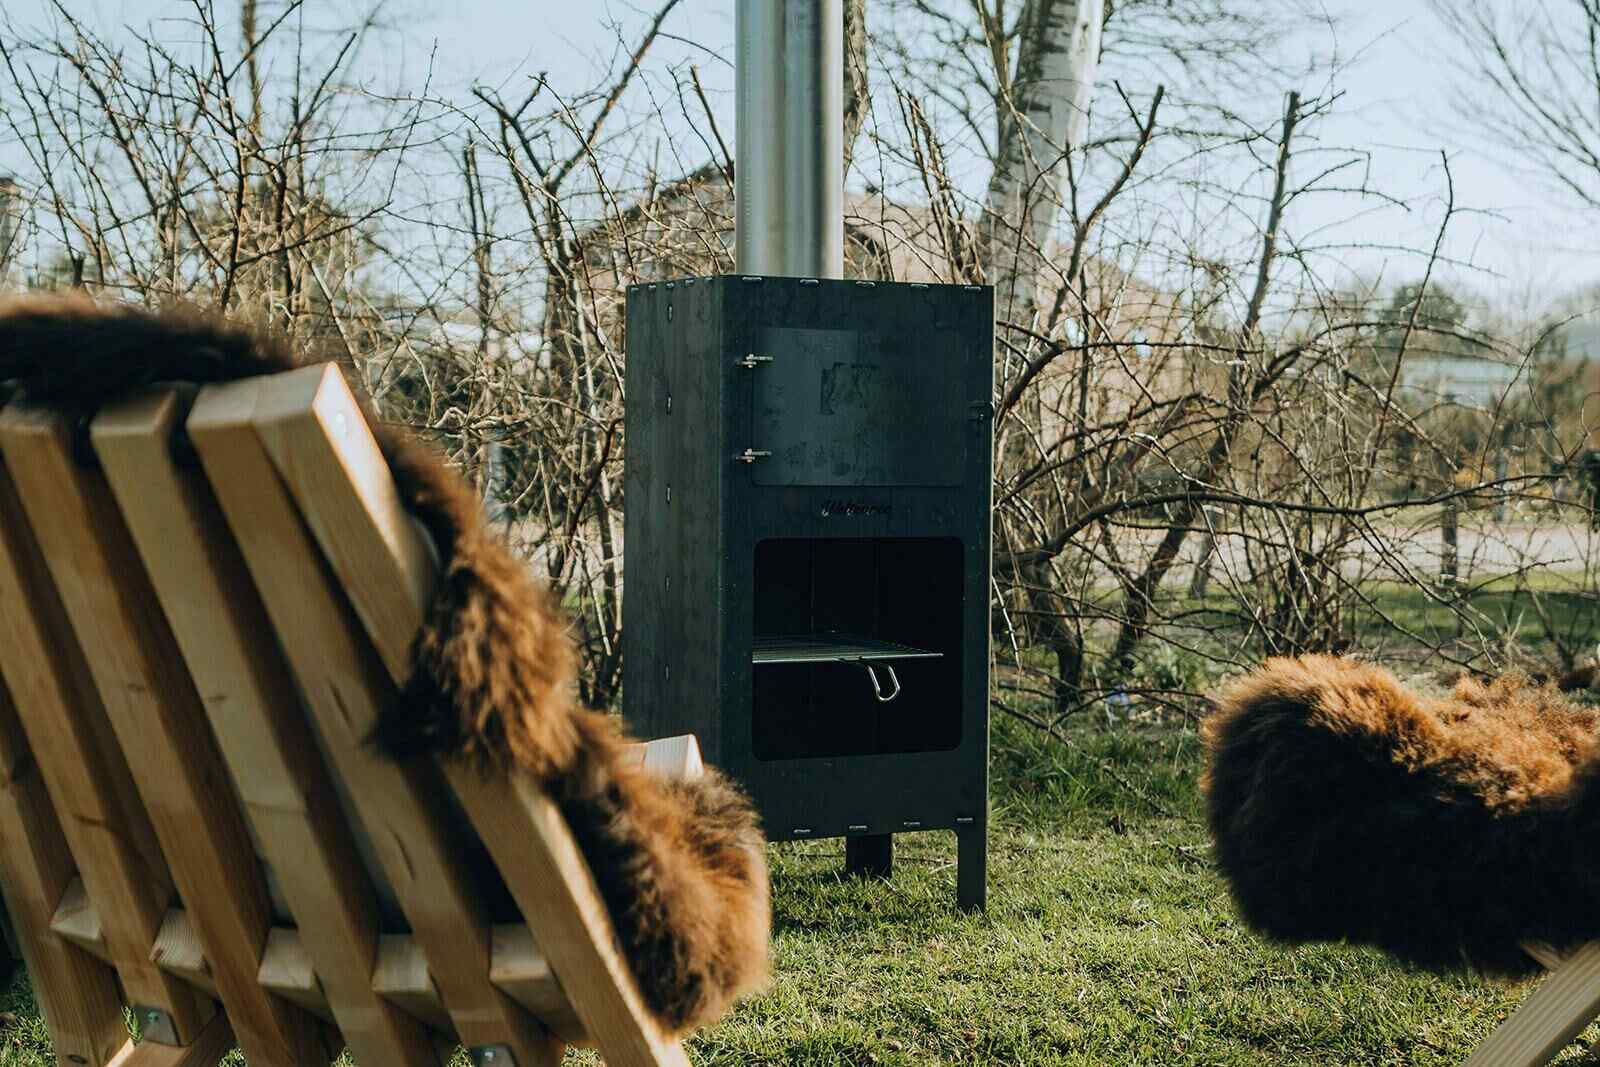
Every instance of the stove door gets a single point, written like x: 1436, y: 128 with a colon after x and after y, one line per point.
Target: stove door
x: 848, y: 407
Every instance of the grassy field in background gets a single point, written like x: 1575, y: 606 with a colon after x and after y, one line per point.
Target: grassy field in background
x: 1109, y: 939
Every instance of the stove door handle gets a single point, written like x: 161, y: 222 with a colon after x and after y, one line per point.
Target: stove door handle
x: 877, y: 687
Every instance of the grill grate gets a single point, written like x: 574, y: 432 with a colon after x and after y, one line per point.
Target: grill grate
x: 831, y: 648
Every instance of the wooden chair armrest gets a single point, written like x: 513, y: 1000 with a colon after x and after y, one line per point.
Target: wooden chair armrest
x: 672, y: 757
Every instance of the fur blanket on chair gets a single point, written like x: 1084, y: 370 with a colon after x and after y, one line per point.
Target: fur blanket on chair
x: 680, y: 865
x: 1444, y: 830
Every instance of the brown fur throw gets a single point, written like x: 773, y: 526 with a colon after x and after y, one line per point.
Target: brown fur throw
x: 681, y: 865
x: 1444, y: 830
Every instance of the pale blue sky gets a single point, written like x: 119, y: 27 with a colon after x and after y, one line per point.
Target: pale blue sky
x: 1396, y: 104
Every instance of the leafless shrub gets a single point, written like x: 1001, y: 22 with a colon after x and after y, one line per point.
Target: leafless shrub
x: 1206, y: 451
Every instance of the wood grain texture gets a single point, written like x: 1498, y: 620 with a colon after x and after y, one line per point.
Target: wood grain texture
x: 671, y: 757
x: 77, y: 920
x: 84, y: 770
x: 362, y: 519
x: 326, y: 455
x: 248, y: 693
x: 76, y: 992
x: 209, y: 1046
x: 516, y: 967
x: 1548, y: 955
x: 1553, y: 1015
x: 288, y: 970
x: 346, y: 683
x: 161, y: 726
x: 548, y: 877
x: 178, y: 951
x: 403, y: 977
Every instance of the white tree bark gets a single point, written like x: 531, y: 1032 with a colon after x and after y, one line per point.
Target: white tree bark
x: 9, y: 210
x: 857, y: 97
x: 1044, y: 117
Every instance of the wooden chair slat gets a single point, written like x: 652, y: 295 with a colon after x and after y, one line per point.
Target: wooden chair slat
x: 178, y: 951
x: 671, y: 757
x: 341, y: 485
x: 1548, y: 955
x: 287, y: 969
x: 328, y: 459
x: 345, y: 683
x: 76, y: 992
x: 516, y: 967
x: 208, y: 1047
x: 222, y: 629
x: 403, y: 977
x: 546, y: 872
x: 77, y: 920
x: 160, y: 724
x: 1550, y: 1018
x: 87, y: 778
x: 164, y: 614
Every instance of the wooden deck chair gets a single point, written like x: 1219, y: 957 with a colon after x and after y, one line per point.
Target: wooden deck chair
x: 205, y: 598
x: 1552, y: 1017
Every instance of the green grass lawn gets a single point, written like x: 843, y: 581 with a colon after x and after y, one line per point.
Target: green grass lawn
x: 1495, y: 607
x: 1108, y: 939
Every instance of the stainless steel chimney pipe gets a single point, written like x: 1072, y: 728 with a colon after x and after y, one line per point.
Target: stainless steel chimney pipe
x: 790, y: 164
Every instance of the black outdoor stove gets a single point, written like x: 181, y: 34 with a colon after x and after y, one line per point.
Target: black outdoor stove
x: 807, y: 549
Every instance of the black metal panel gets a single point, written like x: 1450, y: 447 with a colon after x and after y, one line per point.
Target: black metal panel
x: 870, y: 517
x: 857, y: 407
x: 673, y: 529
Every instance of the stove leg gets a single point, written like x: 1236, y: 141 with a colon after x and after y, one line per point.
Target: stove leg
x: 972, y: 867
x: 871, y: 856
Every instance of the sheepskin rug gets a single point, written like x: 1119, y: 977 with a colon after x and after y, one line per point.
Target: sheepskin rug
x: 1444, y: 830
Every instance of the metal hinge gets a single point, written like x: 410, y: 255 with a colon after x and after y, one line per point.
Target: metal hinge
x: 980, y: 411
x: 753, y: 361
x: 750, y: 455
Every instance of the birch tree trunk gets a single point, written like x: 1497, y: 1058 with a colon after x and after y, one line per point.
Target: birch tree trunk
x: 1043, y: 117
x: 8, y: 228
x: 856, y: 98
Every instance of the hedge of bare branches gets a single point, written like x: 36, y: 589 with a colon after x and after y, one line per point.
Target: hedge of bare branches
x: 1209, y: 445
